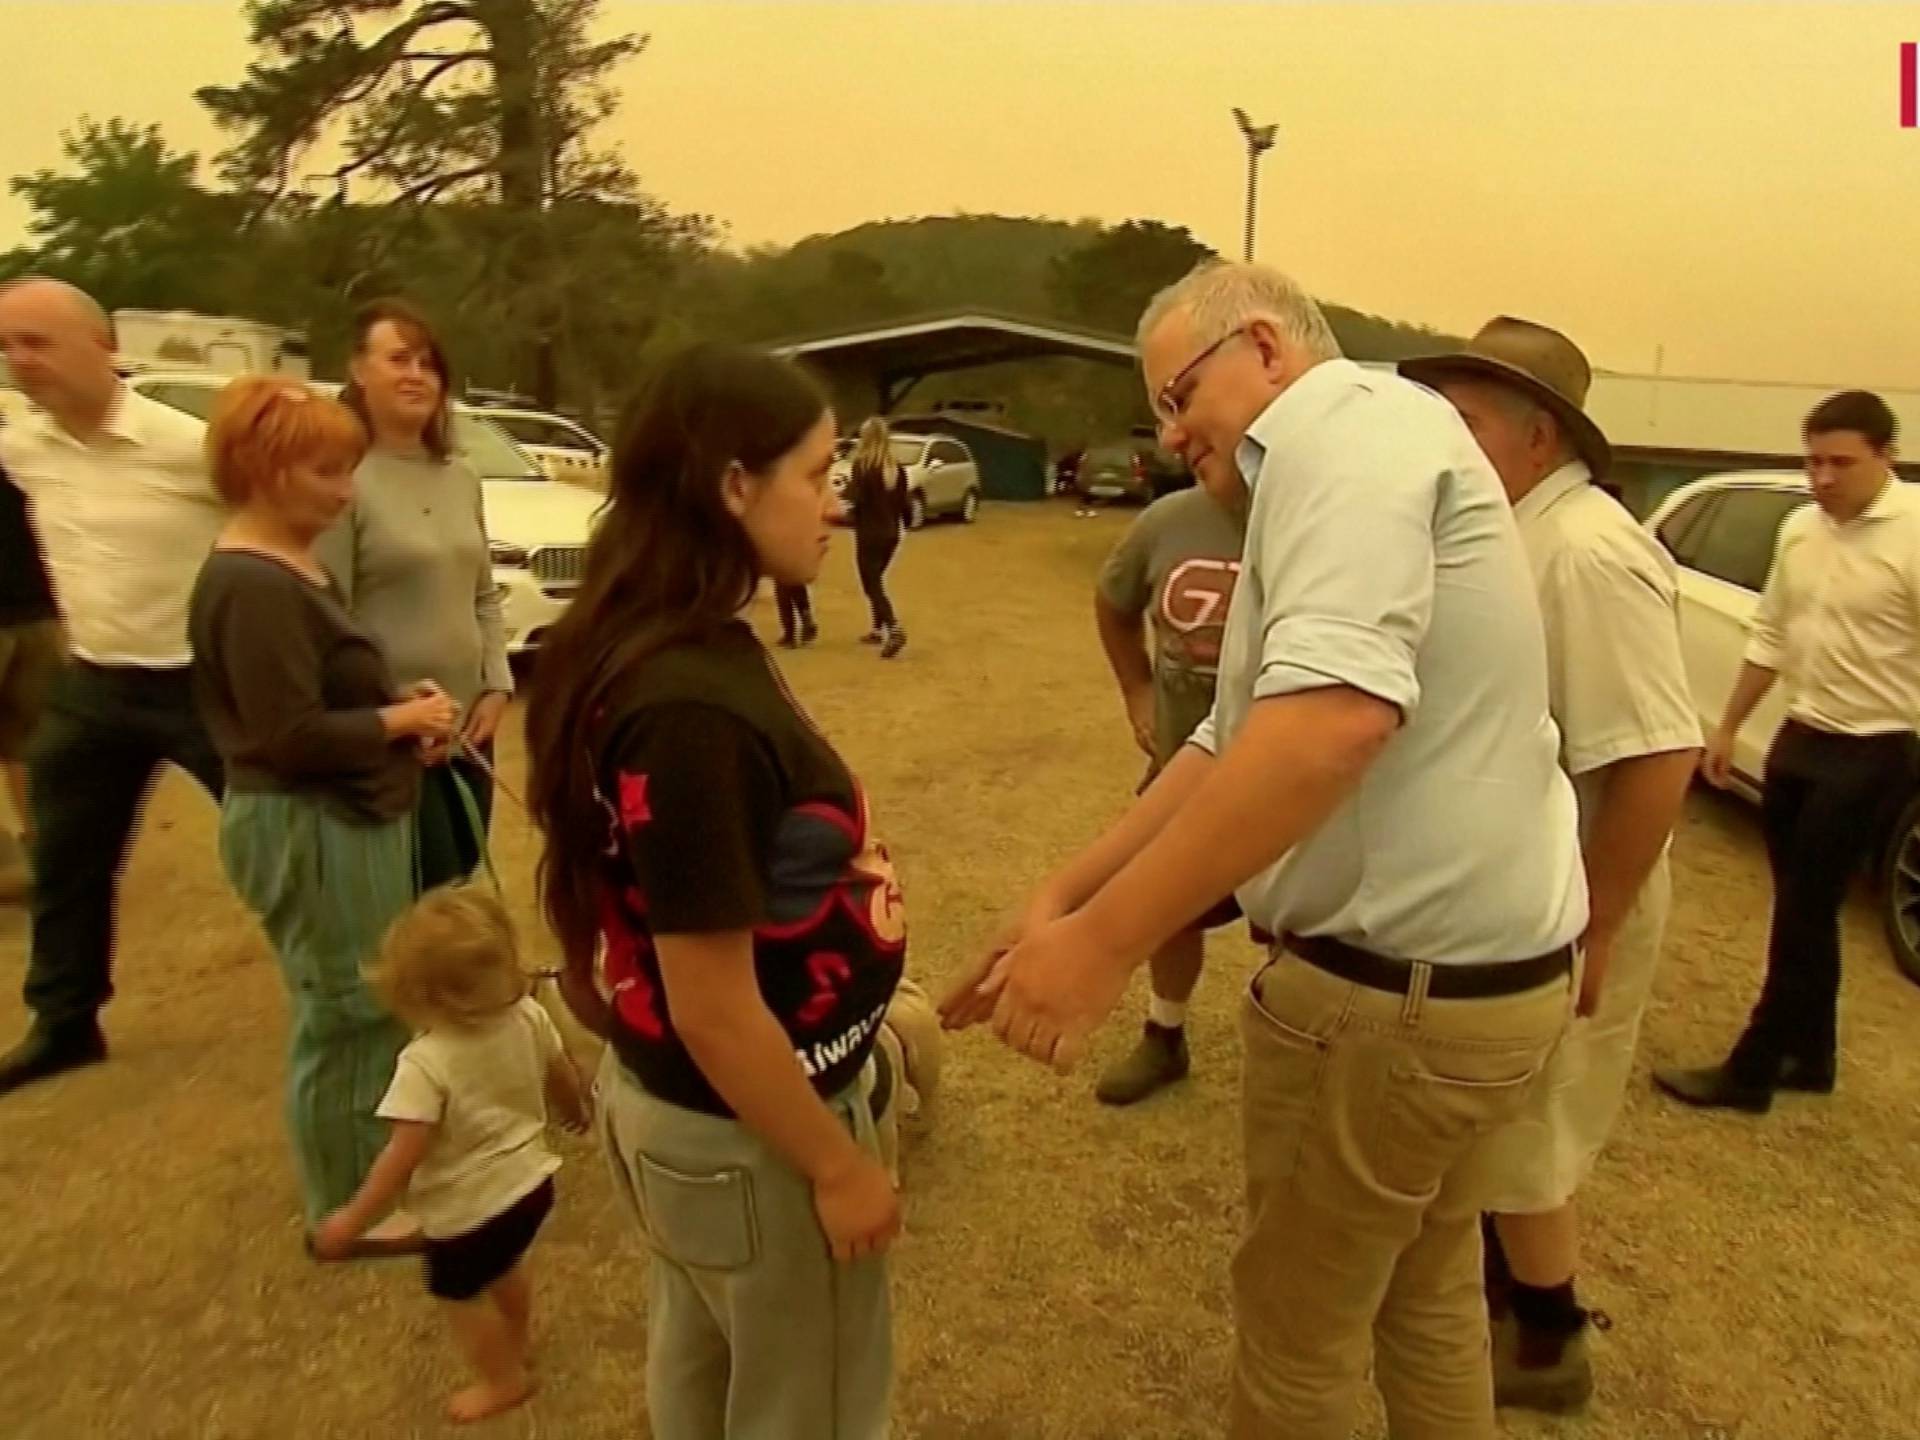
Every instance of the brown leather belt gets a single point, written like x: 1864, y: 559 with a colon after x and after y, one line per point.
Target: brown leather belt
x: 1445, y: 982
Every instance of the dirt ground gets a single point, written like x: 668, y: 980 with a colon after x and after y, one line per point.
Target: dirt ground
x: 1064, y: 1272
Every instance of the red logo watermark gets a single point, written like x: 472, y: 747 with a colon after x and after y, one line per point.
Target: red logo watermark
x: 1910, y: 86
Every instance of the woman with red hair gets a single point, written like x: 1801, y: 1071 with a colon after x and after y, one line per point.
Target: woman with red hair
x: 323, y: 755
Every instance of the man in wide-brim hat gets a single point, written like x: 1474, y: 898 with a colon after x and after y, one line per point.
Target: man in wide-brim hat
x: 1629, y: 738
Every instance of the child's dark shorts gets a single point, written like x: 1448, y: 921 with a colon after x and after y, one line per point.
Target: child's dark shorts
x: 461, y: 1266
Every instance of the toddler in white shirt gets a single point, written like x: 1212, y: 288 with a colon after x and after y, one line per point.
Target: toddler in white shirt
x: 468, y: 1106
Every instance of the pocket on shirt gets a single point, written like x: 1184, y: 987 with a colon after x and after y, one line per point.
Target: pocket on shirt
x: 703, y: 1221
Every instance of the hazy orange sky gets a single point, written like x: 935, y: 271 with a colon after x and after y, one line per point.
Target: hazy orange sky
x: 1728, y: 181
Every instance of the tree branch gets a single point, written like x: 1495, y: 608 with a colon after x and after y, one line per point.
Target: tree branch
x: 430, y: 189
x: 409, y: 107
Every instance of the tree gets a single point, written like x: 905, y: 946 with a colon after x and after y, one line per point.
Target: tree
x: 126, y: 222
x: 471, y: 101
x: 1107, y: 282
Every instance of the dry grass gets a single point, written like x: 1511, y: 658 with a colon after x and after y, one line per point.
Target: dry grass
x: 1064, y: 1274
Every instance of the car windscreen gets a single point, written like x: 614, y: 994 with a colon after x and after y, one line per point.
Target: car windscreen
x: 487, y: 448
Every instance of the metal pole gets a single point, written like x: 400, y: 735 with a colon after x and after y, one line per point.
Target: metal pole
x: 1253, y: 179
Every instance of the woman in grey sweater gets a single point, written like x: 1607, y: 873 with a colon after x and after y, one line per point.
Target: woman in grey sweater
x: 411, y: 559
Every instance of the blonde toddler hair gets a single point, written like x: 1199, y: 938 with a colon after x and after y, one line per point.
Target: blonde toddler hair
x: 451, y: 959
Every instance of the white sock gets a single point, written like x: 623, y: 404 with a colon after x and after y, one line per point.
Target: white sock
x: 1167, y: 1014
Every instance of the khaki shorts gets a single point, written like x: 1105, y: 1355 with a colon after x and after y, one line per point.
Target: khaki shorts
x: 30, y: 656
x: 1536, y: 1162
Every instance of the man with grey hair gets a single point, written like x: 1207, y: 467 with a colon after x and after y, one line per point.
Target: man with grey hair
x: 1617, y: 690
x: 1379, y: 785
x: 126, y: 514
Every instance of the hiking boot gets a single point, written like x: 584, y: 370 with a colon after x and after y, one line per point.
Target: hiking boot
x: 1534, y: 1370
x: 1156, y: 1062
x: 896, y: 642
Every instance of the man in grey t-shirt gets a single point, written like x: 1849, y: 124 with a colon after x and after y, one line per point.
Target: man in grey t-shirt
x: 1175, y: 571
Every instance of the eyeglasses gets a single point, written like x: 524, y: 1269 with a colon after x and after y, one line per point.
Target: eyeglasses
x: 1170, y: 401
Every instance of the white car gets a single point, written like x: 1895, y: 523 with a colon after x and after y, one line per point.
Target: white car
x: 538, y: 528
x: 1721, y: 533
x: 564, y: 448
x: 942, y: 478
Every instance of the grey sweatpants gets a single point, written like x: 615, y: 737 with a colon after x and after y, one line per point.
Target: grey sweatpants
x: 753, y: 1331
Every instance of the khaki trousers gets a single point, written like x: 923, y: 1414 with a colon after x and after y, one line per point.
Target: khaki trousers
x: 1363, y: 1233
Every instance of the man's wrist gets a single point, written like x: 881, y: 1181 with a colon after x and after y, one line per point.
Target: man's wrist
x: 1111, y: 925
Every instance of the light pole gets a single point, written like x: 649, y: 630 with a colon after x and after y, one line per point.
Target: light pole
x: 1260, y: 139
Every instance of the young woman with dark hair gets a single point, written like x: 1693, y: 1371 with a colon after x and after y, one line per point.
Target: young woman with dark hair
x: 705, y: 840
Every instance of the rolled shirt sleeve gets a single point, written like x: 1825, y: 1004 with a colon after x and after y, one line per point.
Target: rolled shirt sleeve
x: 1614, y: 666
x: 1767, y: 631
x: 1346, y: 589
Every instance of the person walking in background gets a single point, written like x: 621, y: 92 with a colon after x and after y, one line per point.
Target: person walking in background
x: 323, y: 765
x: 796, y: 616
x: 32, y: 649
x: 1839, y: 620
x: 467, y: 1151
x: 703, y: 836
x: 877, y: 496
x: 1176, y: 568
x: 412, y: 560
x: 125, y: 514
x: 1617, y: 690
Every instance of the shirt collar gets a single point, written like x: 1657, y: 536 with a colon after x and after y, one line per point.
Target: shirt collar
x: 122, y: 422
x: 1291, y: 408
x: 1552, y: 490
x: 1888, y: 503
x: 123, y: 417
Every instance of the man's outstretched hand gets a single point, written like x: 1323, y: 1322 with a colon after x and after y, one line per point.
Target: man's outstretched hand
x: 970, y: 999
x: 1054, y: 989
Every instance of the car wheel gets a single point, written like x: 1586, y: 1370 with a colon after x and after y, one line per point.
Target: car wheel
x: 1900, y: 890
x: 970, y: 508
x: 916, y: 510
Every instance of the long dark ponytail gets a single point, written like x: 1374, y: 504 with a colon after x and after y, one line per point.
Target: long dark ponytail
x: 668, y: 563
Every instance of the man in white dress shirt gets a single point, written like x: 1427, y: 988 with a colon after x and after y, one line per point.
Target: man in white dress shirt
x: 1839, y: 622
x: 1617, y: 689
x: 126, y: 513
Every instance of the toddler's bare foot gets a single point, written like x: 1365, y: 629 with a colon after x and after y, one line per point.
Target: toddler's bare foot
x: 489, y: 1398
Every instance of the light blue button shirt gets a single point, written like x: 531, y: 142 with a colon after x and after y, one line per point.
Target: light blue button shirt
x: 1382, y: 555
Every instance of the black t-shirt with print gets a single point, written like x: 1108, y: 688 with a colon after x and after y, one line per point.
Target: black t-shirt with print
x: 727, y: 810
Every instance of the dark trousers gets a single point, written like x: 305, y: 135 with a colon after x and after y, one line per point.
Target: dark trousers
x: 448, y: 849
x: 105, y: 734
x: 872, y: 556
x: 796, y: 609
x: 1823, y: 803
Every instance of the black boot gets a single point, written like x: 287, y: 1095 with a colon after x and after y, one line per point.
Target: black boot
x: 52, y: 1050
x: 895, y: 642
x: 1156, y: 1062
x: 1715, y: 1087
